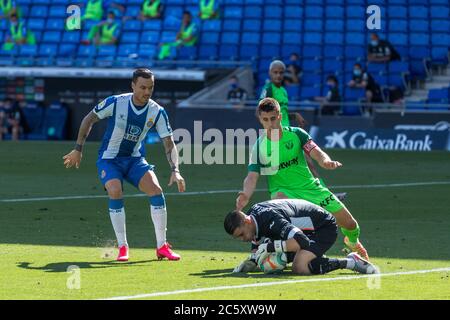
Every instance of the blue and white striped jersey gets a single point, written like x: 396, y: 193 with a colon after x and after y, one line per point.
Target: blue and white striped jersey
x: 128, y: 126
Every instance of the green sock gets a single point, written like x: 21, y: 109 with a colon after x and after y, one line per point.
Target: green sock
x: 322, y: 183
x: 352, y: 235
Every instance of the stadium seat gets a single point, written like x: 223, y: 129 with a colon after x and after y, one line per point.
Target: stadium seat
x: 48, y: 50
x: 398, y: 25
x: 273, y: 11
x: 438, y: 95
x: 269, y: 51
x: 311, y: 79
x: 313, y: 25
x: 334, y: 25
x: 271, y: 38
x: 355, y: 11
x: 252, y: 25
x: 212, y: 26
x: 254, y: 12
x: 57, y: 12
x: 230, y: 37
x: 232, y: 25
x: 311, y: 65
x: 52, y: 37
x: 34, y: 117
x: 147, y: 51
x: 418, y: 12
x: 36, y: 24
x: 39, y: 11
x: 152, y: 25
x: 208, y: 52
x: 314, y: 12
x: 310, y: 92
x: 440, y: 12
x: 354, y: 94
x: 312, y: 51
x: 130, y: 37
x: 26, y: 50
x: 332, y: 11
x: 272, y: 25
x: 228, y: 51
x: 132, y: 11
x: 293, y: 92
x: 250, y: 38
x: 132, y: 25
x: 417, y: 25
x: 125, y: 50
x: 336, y: 38
x: 293, y: 12
x: 332, y: 66
x: 66, y: 49
x: 312, y: 38
x: 292, y: 38
x: 356, y: 25
x: 54, y: 123
x: 151, y: 37
x: 210, y: 37
x: 333, y: 51
x: 397, y: 12
x: 233, y: 12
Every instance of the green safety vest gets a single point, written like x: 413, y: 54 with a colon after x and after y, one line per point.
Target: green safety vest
x: 186, y: 33
x: 16, y: 33
x: 207, y: 10
x: 107, y: 33
x: 150, y: 10
x: 94, y: 10
x: 6, y: 7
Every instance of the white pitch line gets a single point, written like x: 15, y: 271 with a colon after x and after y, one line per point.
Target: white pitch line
x: 196, y: 193
x: 275, y: 283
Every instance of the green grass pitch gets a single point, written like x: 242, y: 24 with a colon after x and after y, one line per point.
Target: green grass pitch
x: 404, y: 228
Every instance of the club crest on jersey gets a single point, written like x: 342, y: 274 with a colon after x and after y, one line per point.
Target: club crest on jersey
x: 103, y: 174
x: 150, y: 122
x: 100, y: 106
x: 289, y: 145
x: 133, y: 133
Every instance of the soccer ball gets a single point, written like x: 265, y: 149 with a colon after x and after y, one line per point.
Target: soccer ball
x: 274, y: 263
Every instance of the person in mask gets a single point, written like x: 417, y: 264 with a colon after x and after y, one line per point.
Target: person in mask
x: 293, y: 70
x: 362, y: 79
x: 330, y: 103
x: 106, y: 32
x: 236, y: 95
x: 16, y: 35
x: 380, y: 50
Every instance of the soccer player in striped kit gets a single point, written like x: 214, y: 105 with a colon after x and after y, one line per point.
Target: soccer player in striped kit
x: 122, y: 156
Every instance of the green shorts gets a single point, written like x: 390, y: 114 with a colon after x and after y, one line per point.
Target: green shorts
x: 316, y: 194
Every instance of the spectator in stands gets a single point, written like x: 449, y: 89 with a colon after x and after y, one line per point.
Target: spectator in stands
x: 151, y: 9
x: 17, y: 34
x: 95, y: 8
x: 293, y: 70
x: 331, y: 102
x: 187, y: 36
x: 106, y: 32
x: 10, y: 120
x: 209, y: 9
x: 236, y: 95
x: 380, y: 50
x: 8, y: 8
x: 362, y: 79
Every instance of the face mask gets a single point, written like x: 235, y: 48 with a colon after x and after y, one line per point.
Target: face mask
x: 233, y: 86
x: 357, y: 72
x: 374, y: 42
x: 110, y: 20
x: 330, y: 85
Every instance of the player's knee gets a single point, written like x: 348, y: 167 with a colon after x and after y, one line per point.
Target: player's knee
x: 300, y: 269
x: 114, y: 191
x: 154, y: 191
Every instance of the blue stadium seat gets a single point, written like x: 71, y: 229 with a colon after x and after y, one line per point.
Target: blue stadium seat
x: 419, y: 39
x: 253, y: 12
x: 309, y: 92
x: 417, y: 25
x: 252, y: 25
x: 351, y: 110
x: 287, y: 50
x: 39, y: 11
x: 48, y: 50
x: 55, y: 24
x: 57, y: 12
x: 86, y: 51
x: 355, y: 52
x: 250, y: 38
x: 208, y: 52
x: 313, y: 12
x: 34, y: 116
x: 210, y: 37
x: 171, y: 23
x: 149, y: 37
x: 293, y: 92
x: 167, y: 36
x: 354, y: 94
x: 36, y: 24
x: 398, y: 25
x: 418, y: 12
x: 26, y: 50
x: 271, y: 38
x: 270, y: 51
x: 212, y: 26
x: 292, y: 25
x: 233, y: 12
x: 311, y: 65
x: 293, y: 12
x: 292, y: 38
x: 228, y: 51
x: 396, y: 80
x: 440, y: 25
x: 334, y: 25
x: 66, y: 49
x: 397, y: 12
x: 332, y: 66
x: 439, y: 55
x: 132, y: 25
x: 232, y: 25
x: 311, y: 79
x: 398, y: 66
x: 438, y: 95
x: 334, y: 38
x: 248, y: 52
x: 187, y: 53
x: 132, y: 11
x: 354, y: 38
x: 52, y: 36
x: 272, y: 25
x: 147, y: 50
x: 333, y: 51
x: 71, y: 37
x: 440, y: 39
x: 312, y: 51
x: 313, y: 25
x: 355, y: 11
x: 273, y: 11
x: 400, y: 39
x: 312, y: 38
x: 356, y: 25
x: 440, y: 12
x: 230, y: 37
x: 125, y: 50
x: 130, y: 37
x: 334, y: 12
x: 153, y: 25
x: 55, y: 123
x: 374, y: 68
x: 173, y: 11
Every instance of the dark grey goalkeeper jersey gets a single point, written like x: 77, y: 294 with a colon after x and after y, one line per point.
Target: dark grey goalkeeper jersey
x: 281, y: 219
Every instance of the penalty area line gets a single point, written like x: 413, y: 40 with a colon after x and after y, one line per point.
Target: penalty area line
x: 196, y: 193
x: 275, y: 283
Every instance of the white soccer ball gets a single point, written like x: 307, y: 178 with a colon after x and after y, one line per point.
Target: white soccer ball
x: 274, y: 263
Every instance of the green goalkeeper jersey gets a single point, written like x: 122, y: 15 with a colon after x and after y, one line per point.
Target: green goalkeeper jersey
x: 283, y: 161
x: 280, y: 94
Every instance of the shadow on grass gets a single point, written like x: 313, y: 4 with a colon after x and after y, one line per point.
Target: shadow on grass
x: 63, y: 266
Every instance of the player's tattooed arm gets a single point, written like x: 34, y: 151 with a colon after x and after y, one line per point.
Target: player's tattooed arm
x: 171, y: 153
x: 85, y: 128
x: 324, y: 159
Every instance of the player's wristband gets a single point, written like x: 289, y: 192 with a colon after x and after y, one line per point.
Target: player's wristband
x: 175, y: 169
x: 276, y: 246
x: 79, y: 147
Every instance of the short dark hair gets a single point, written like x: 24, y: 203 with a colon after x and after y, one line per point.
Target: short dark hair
x: 232, y: 221
x: 142, y: 73
x: 267, y: 105
x: 187, y: 12
x: 333, y: 78
x: 357, y: 65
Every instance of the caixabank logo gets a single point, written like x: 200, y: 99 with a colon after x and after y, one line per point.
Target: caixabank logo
x: 384, y: 139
